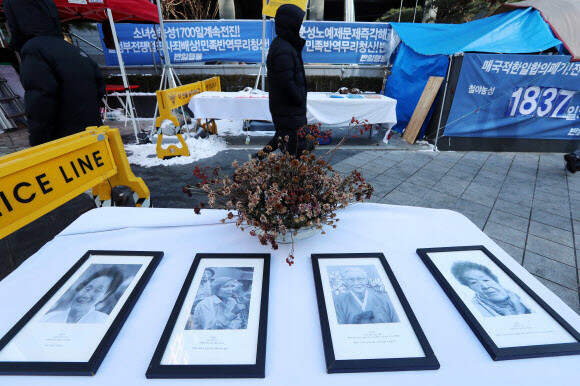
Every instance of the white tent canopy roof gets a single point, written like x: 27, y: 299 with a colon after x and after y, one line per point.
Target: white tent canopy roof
x: 563, y: 16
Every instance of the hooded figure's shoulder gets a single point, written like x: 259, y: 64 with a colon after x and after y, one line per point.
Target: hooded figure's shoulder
x: 47, y: 46
x: 28, y: 19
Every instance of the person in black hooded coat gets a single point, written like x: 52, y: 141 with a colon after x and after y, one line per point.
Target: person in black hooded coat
x: 62, y: 85
x: 287, y: 79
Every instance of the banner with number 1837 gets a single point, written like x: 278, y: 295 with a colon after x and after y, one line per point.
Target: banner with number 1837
x: 516, y: 96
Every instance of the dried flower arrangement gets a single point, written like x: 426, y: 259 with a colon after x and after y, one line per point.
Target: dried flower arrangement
x: 282, y: 194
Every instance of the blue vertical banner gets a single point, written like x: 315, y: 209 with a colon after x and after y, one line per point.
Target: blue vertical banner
x: 241, y: 41
x: 190, y: 42
x: 516, y: 96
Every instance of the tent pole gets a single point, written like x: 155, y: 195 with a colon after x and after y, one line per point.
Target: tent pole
x: 443, y: 103
x: 400, y: 11
x: 161, y: 87
x: 262, y: 70
x: 123, y: 74
x: 415, y: 13
x: 168, y: 75
x: 258, y: 78
x: 164, y: 45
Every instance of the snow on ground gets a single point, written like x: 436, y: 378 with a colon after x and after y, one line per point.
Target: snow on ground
x: 430, y: 147
x: 200, y: 148
x: 229, y: 128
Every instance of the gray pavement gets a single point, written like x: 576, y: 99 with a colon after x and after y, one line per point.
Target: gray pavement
x: 526, y: 202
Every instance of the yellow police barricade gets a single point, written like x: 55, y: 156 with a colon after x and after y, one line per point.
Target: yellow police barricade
x: 174, y: 98
x: 37, y: 180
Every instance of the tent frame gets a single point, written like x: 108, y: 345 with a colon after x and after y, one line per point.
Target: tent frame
x: 169, y: 78
x: 91, y: 15
x: 444, y: 95
x: 123, y: 75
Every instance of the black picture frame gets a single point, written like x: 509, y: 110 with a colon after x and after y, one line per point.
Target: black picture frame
x: 79, y: 368
x: 156, y: 370
x: 505, y: 353
x: 428, y: 362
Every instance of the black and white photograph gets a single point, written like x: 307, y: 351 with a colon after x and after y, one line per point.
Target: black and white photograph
x: 94, y: 295
x: 360, y: 296
x: 72, y: 327
x: 366, y: 322
x: 222, y: 301
x: 510, y: 320
x: 217, y: 328
x: 490, y: 297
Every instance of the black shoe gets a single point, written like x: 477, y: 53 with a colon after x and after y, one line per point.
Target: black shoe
x: 571, y: 160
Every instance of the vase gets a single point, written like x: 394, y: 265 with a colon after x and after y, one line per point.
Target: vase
x: 288, y: 237
x: 301, y: 234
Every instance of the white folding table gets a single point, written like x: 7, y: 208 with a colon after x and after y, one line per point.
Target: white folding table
x: 294, y: 344
x: 321, y: 107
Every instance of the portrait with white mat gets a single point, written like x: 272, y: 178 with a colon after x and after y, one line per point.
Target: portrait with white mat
x: 218, y: 323
x: 366, y: 321
x: 506, y: 315
x: 72, y: 327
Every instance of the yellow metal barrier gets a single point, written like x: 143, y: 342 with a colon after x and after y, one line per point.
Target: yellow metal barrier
x: 39, y: 179
x: 174, y: 98
x: 212, y: 84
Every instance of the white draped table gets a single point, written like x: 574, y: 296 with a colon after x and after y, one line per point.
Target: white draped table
x: 321, y: 108
x: 294, y: 344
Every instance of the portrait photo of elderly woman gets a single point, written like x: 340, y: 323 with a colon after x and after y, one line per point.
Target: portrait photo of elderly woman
x: 359, y: 296
x: 93, y: 296
x: 491, y: 298
x: 222, y: 302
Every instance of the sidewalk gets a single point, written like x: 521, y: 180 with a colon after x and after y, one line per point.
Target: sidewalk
x: 525, y: 202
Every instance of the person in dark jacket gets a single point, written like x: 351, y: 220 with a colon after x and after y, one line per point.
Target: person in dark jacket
x: 63, y: 87
x: 287, y: 79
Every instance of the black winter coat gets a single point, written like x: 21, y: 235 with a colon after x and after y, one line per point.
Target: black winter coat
x: 62, y: 85
x: 286, y: 76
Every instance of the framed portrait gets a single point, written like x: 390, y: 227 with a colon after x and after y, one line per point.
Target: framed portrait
x: 367, y: 323
x: 217, y: 328
x: 510, y: 320
x: 70, y: 330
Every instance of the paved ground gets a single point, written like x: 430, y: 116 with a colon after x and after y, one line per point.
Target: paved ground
x: 526, y: 202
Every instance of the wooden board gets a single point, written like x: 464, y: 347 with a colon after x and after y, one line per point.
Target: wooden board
x: 423, y: 107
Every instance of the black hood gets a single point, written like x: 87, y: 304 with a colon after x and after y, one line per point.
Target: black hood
x: 31, y: 18
x: 288, y: 20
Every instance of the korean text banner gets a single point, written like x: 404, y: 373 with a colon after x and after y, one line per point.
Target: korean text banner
x: 516, y: 96
x: 241, y: 41
x: 190, y: 41
x: 347, y: 43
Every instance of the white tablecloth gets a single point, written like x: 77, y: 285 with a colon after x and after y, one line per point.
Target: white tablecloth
x: 294, y: 344
x: 321, y: 108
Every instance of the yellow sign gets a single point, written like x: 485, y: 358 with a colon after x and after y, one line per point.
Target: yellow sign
x: 173, y: 98
x: 36, y: 180
x: 271, y: 6
x: 212, y: 84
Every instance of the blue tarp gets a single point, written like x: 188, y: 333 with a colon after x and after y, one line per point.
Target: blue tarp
x: 519, y: 31
x: 408, y: 78
x: 425, y: 47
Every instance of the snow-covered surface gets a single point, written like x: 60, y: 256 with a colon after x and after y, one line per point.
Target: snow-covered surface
x: 430, y: 147
x: 200, y: 148
x: 229, y: 127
